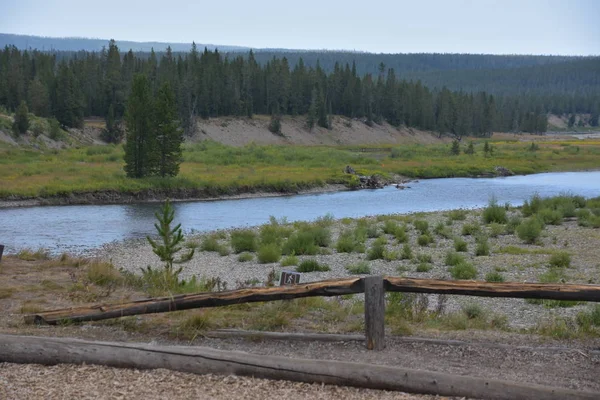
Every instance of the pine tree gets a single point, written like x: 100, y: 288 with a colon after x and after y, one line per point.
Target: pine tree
x: 140, y: 147
x: 311, y: 118
x: 571, y: 120
x: 112, y: 133
x: 470, y: 148
x: 487, y: 149
x: 168, y: 135
x: 21, y: 123
x: 170, y: 243
x: 455, y: 150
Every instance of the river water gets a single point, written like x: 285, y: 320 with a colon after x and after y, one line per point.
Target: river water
x: 83, y: 228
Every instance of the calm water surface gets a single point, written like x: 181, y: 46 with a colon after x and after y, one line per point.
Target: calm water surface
x: 83, y: 228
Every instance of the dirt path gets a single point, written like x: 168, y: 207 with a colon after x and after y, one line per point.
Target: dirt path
x: 18, y: 382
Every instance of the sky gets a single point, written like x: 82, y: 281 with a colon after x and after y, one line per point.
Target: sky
x: 567, y: 27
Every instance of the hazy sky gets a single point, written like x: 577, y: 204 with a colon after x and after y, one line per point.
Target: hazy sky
x: 464, y: 26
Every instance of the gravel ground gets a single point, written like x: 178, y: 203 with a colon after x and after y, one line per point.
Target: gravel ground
x: 582, y: 243
x: 30, y: 381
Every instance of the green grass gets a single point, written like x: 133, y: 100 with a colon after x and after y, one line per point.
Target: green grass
x: 361, y: 268
x: 268, y: 253
x: 211, y: 169
x: 463, y: 270
x: 245, y: 257
x: 311, y: 265
x: 460, y: 245
x: 243, y: 240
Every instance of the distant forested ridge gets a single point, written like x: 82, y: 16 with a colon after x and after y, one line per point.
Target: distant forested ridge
x: 71, y: 85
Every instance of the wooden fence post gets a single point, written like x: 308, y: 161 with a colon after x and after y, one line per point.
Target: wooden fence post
x: 374, y: 312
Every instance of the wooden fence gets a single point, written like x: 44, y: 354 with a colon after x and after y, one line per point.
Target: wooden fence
x: 374, y: 288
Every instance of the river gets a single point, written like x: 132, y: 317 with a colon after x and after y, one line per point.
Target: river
x: 82, y: 228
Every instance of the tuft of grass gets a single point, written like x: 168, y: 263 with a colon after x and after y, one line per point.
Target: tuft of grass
x: 192, y: 325
x: 377, y: 250
x: 211, y: 243
x: 494, y: 276
x: 350, y: 241
x: 442, y: 230
x: 245, y: 257
x: 463, y: 270
x: 406, y: 253
x: 496, y: 229
x: 424, y: 240
x: 243, y: 240
x: 30, y: 255
x: 483, y: 247
x: 424, y: 267
x: 560, y: 259
x: 422, y: 226
x: 301, y: 243
x: 312, y: 265
x: 453, y: 258
x: 361, y: 268
x: 473, y: 311
x: 103, y: 274
x: 289, y: 261
x: 512, y: 224
x: 457, y: 215
x: 470, y: 229
x: 550, y: 217
x: 460, y: 245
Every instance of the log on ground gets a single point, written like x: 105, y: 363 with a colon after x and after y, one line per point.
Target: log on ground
x: 199, y: 360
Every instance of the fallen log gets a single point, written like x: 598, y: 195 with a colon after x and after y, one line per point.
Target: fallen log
x: 334, y: 287
x: 200, y: 360
x: 492, y: 289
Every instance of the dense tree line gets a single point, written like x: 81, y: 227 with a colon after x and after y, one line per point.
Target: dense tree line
x: 209, y: 84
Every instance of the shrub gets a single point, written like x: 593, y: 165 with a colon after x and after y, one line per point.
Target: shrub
x: 348, y: 242
x: 269, y: 253
x: 586, y: 319
x: 532, y: 206
x: 422, y: 226
x: 311, y: 266
x: 457, y: 215
x: 473, y: 311
x: 424, y: 267
x: 483, y: 248
x: 529, y: 230
x: 470, y: 229
x: 274, y: 232
x: 210, y: 243
x: 460, y: 245
x: 321, y: 235
x: 359, y: 269
x: 453, y: 258
x: 289, y: 261
x: 442, y: 230
x: 243, y: 240
x: 550, y: 217
x: 496, y: 229
x: 390, y: 255
x: 463, y: 270
x: 560, y: 259
x: 406, y: 253
x: 512, y: 224
x: 300, y: 243
x: 245, y: 257
x: 377, y: 250
x: 425, y: 258
x: 494, y: 276
x: 424, y: 240
x: 494, y: 213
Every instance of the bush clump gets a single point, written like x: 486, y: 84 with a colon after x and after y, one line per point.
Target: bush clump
x: 424, y: 240
x: 483, y: 247
x: 470, y: 229
x: 422, y: 226
x: 460, y: 245
x: 377, y: 250
x: 463, y: 270
x: 453, y: 258
x: 560, y: 259
x: 289, y: 261
x: 494, y: 213
x: 311, y: 265
x: 529, y: 231
x: 361, y: 268
x: 268, y: 253
x: 494, y: 276
x: 243, y: 240
x: 406, y: 253
x: 245, y: 257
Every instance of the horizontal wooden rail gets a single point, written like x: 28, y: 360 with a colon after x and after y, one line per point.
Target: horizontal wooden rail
x: 492, y: 289
x: 334, y: 287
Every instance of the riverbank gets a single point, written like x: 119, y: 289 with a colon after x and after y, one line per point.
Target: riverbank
x: 94, y: 175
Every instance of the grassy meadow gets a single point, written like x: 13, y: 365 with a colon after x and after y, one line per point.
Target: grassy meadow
x: 211, y: 169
